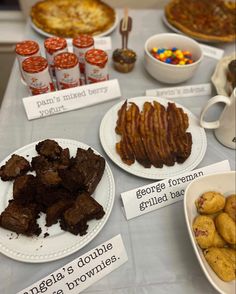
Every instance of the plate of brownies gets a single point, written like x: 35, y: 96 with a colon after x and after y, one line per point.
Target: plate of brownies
x: 56, y: 196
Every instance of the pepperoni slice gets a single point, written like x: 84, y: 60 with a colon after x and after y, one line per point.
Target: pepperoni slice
x: 65, y: 60
x: 27, y: 48
x: 34, y: 64
x: 83, y: 41
x: 54, y: 44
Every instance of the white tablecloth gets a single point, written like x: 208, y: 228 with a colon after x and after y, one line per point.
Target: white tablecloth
x: 161, y: 257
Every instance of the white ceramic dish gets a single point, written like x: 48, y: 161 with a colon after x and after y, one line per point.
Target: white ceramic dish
x: 170, y: 73
x: 224, y: 183
x: 59, y: 243
x: 109, y: 138
x: 219, y: 78
x: 105, y: 33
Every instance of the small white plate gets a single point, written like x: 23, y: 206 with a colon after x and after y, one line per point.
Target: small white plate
x: 109, y: 139
x: 219, y: 78
x: 59, y: 243
x: 224, y: 183
x: 105, y: 33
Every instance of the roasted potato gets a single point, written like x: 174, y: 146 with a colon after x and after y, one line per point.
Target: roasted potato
x: 204, y: 230
x: 210, y: 202
x: 230, y: 206
x: 226, y: 227
x: 221, y: 263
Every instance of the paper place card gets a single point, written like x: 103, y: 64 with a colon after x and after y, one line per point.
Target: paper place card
x: 103, y: 43
x: 159, y: 194
x: 183, y: 91
x: 212, y: 51
x: 84, y: 271
x: 69, y: 99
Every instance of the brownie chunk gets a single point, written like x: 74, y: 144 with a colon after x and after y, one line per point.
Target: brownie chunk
x: 49, y: 148
x: 91, y: 208
x: 41, y: 163
x: 14, y: 167
x: 64, y: 159
x: 55, y: 211
x: 74, y: 221
x: 20, y: 218
x: 72, y: 179
x: 24, y: 189
x: 75, y: 218
x: 47, y: 196
x: 49, y: 178
x: 91, y: 166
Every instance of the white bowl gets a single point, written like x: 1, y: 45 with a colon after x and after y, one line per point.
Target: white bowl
x: 224, y: 183
x: 170, y: 73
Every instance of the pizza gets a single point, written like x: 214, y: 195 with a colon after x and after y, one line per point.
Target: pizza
x: 68, y: 18
x: 203, y: 19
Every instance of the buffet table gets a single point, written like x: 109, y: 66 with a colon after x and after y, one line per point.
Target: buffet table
x: 160, y: 255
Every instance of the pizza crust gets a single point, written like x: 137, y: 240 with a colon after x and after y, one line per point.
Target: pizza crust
x: 171, y: 6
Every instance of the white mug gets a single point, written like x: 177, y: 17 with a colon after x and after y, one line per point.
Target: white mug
x: 225, y: 130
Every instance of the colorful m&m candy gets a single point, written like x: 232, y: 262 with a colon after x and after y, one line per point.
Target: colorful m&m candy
x: 172, y: 55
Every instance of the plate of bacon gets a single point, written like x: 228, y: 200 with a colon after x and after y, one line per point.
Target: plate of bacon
x: 153, y: 138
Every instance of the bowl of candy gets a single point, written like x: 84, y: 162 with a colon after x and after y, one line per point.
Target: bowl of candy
x: 171, y: 58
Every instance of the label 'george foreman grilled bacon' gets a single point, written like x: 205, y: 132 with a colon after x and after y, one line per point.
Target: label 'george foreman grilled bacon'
x: 155, y: 136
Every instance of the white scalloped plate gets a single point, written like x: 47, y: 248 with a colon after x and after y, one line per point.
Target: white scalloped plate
x: 219, y: 78
x: 109, y: 138
x: 59, y: 243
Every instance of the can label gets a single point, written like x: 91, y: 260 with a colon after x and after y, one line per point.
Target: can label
x: 68, y: 78
x: 80, y: 53
x: 50, y: 59
x: 95, y: 74
x: 39, y: 83
x: 21, y: 58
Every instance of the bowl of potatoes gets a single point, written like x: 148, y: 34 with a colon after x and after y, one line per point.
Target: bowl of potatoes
x: 210, y: 214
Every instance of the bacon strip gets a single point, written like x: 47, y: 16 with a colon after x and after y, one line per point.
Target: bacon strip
x: 148, y: 135
x: 132, y: 129
x: 123, y: 147
x: 161, y: 134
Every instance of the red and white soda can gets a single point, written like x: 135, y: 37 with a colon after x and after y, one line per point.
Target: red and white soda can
x: 37, y: 77
x: 67, y: 70
x: 81, y: 44
x: 54, y: 46
x: 24, y: 50
x: 96, y: 69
